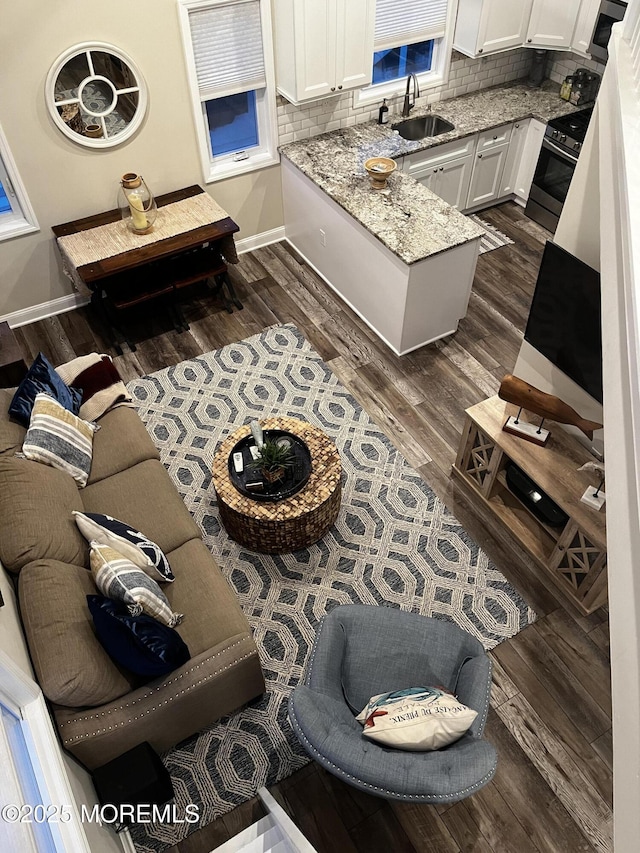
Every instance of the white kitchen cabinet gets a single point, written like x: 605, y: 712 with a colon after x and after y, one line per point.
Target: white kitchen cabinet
x: 514, y: 157
x: 529, y: 160
x: 445, y: 170
x: 490, y: 26
x: 322, y: 48
x: 491, y: 153
x: 552, y: 24
x: 584, y: 26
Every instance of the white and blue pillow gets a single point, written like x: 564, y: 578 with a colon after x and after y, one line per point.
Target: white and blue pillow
x: 142, y: 552
x: 117, y: 578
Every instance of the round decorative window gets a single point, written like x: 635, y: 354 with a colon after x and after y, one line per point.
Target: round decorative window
x: 96, y: 95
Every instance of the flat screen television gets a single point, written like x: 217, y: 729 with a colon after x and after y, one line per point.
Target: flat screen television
x: 565, y: 321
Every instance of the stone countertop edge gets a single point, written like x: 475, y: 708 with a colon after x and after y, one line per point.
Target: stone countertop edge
x: 407, y: 218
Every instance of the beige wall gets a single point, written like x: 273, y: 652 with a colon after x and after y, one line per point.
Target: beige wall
x: 65, y: 181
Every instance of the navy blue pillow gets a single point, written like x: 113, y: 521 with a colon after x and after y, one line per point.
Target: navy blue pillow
x: 42, y: 378
x: 141, y: 644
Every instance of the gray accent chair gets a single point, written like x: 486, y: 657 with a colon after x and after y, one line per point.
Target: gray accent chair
x: 362, y: 651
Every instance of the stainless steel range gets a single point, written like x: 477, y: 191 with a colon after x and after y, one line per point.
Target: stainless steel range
x: 558, y: 156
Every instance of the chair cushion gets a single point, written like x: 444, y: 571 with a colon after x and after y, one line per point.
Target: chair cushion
x: 72, y: 667
x: 59, y: 438
x: 145, y: 495
x: 36, y: 503
x: 133, y: 545
x: 332, y: 736
x: 121, y: 442
x: 139, y: 643
x: 42, y: 378
x: 213, y: 613
x: 116, y: 577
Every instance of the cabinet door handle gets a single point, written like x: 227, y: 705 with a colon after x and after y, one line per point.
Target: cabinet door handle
x: 442, y: 168
x: 340, y: 87
x: 434, y: 171
x: 529, y: 41
x: 480, y: 51
x: 333, y: 88
x: 517, y: 126
x: 480, y: 156
x: 495, y: 137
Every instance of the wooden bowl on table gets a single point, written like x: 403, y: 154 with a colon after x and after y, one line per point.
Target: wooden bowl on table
x: 379, y: 169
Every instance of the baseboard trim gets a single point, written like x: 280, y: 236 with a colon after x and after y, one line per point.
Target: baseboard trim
x: 265, y: 238
x: 75, y: 300
x: 44, y: 310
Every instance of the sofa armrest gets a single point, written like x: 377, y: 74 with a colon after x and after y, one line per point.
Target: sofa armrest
x: 167, y: 710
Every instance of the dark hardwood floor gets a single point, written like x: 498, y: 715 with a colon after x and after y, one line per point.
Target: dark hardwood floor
x: 550, y: 717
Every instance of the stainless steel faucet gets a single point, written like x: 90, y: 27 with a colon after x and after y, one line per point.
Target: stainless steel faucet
x: 409, y: 105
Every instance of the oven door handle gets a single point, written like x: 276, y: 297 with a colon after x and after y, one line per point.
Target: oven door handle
x: 570, y: 158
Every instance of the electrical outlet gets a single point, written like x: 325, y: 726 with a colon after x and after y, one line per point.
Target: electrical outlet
x: 323, y: 238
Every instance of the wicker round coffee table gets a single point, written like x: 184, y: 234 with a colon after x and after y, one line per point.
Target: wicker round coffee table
x: 273, y: 527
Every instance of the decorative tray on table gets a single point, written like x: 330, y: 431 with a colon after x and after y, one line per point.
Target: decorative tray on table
x: 292, y: 480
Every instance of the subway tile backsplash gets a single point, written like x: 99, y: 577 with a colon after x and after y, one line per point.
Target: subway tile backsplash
x: 466, y: 75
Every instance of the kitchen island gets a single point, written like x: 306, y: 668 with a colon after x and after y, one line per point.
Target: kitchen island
x: 402, y: 258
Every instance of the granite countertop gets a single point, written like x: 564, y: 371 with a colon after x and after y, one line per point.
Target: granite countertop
x: 407, y: 218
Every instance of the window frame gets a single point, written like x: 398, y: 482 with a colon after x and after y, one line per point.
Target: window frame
x: 22, y: 219
x: 438, y: 75
x: 216, y: 168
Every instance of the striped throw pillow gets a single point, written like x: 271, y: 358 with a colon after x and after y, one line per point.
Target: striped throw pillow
x: 59, y: 438
x: 117, y: 578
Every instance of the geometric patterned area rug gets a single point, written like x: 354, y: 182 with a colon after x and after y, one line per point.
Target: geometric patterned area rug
x: 492, y: 238
x: 394, y: 544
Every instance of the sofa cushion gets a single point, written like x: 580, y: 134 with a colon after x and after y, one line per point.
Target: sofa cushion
x: 59, y: 438
x: 42, y: 378
x: 121, y: 442
x: 117, y: 578
x: 146, y: 497
x: 72, y: 667
x: 11, y: 432
x: 36, y: 503
x: 143, y: 553
x: 212, y: 612
x: 139, y: 643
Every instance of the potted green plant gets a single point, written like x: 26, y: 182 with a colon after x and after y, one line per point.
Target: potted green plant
x: 274, y: 458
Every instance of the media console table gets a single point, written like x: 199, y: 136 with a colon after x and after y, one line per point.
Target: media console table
x: 572, y: 556
x: 192, y: 240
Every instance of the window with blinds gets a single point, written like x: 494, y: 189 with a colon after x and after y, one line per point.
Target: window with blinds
x: 411, y: 37
x: 228, y: 47
x: 400, y: 22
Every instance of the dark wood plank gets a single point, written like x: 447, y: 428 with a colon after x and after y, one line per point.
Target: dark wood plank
x: 383, y: 832
x: 424, y: 827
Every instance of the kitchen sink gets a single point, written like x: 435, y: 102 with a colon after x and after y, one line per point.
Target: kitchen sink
x: 422, y: 126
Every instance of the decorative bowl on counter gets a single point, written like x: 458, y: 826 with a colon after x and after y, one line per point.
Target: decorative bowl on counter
x: 379, y: 169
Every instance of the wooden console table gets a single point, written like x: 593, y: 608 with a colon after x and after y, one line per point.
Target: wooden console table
x: 192, y: 240
x: 572, y: 556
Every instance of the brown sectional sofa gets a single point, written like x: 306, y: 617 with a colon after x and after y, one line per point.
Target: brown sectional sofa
x: 100, y: 709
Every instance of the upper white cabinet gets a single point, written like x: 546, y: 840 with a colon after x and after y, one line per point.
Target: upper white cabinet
x: 584, y: 26
x: 490, y: 26
x: 322, y: 48
x: 552, y: 23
